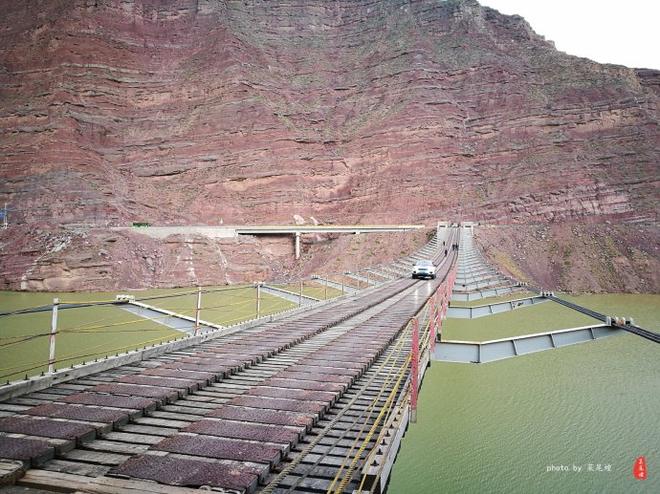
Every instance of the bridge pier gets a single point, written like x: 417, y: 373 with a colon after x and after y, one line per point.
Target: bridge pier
x: 297, y: 245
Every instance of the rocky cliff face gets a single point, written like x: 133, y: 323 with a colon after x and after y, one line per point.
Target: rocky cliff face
x: 577, y: 256
x: 193, y: 111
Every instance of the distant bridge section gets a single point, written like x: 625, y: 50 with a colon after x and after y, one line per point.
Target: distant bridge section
x: 232, y: 231
x: 293, y: 229
x: 298, y: 230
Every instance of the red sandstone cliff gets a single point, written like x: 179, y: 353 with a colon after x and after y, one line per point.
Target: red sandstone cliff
x: 189, y: 111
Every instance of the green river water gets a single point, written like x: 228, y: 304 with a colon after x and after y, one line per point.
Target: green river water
x: 500, y: 427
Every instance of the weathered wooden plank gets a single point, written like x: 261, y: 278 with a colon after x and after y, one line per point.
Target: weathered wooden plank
x: 72, y: 386
x: 149, y: 430
x: 96, y: 457
x: 10, y: 471
x: 217, y: 397
x: 193, y: 407
x: 185, y: 411
x: 101, y: 485
x: 132, y: 438
x: 116, y: 447
x: 76, y: 468
x: 13, y: 489
x: 161, y: 414
x: 28, y: 402
x: 175, y: 424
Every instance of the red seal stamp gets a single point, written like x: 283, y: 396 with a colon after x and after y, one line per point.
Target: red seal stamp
x: 639, y: 468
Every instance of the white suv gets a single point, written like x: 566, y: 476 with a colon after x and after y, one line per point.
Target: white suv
x: 423, y: 269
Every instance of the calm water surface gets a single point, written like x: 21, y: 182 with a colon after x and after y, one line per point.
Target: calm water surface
x: 498, y: 427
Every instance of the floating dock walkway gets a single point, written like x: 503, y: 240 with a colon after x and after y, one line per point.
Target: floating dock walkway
x: 266, y: 407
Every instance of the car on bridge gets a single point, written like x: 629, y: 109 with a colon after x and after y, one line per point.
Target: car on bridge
x: 424, y: 269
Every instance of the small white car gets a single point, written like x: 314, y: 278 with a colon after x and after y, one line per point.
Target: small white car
x: 424, y: 269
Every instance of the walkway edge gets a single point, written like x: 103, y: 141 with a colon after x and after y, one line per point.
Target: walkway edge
x: 21, y: 387
x: 480, y: 352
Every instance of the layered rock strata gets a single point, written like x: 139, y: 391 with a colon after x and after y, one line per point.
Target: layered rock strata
x: 202, y: 111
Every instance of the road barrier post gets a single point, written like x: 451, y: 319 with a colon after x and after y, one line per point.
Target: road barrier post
x: 258, y: 299
x: 434, y: 326
x: 441, y: 309
x: 414, y: 370
x: 325, y: 291
x: 53, y: 333
x: 198, y: 309
x: 440, y: 317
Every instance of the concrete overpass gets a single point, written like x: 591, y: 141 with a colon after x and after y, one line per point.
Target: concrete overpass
x: 298, y: 230
x: 232, y: 231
